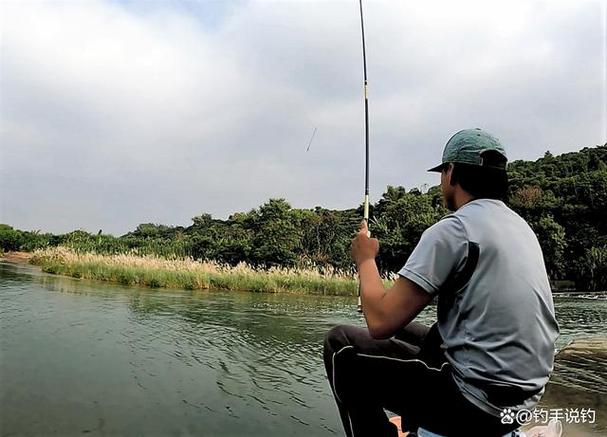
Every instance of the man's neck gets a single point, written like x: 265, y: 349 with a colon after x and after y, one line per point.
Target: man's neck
x: 462, y: 197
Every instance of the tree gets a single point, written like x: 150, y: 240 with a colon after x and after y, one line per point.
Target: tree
x: 592, y: 269
x: 202, y: 221
x: 277, y: 234
x: 551, y: 237
x: 10, y: 239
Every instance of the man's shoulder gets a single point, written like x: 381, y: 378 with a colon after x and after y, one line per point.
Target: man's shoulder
x: 448, y: 228
x: 483, y: 206
x: 486, y: 211
x: 492, y: 223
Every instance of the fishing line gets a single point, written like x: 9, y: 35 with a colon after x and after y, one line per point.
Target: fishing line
x: 311, y: 138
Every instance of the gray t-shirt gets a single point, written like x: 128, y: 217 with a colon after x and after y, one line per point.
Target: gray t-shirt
x: 495, y: 309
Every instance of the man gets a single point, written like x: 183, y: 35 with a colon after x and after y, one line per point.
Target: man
x: 491, y: 351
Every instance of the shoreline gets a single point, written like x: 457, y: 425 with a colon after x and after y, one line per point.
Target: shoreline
x: 16, y: 257
x: 187, y: 274
x: 204, y: 275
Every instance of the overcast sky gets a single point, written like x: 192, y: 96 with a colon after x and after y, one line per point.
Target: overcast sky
x: 115, y: 113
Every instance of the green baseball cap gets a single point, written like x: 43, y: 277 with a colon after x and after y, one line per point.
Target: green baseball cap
x: 468, y: 147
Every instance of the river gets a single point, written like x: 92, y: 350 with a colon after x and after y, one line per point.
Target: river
x: 87, y: 358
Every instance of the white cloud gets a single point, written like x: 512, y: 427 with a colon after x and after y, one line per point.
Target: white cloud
x: 111, y: 116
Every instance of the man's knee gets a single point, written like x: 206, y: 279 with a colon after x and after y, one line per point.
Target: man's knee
x: 340, y: 336
x: 334, y: 339
x: 339, y: 339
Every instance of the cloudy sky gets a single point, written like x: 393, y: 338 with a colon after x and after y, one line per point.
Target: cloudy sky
x: 115, y: 113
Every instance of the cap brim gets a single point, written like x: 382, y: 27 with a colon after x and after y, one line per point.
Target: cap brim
x: 438, y: 168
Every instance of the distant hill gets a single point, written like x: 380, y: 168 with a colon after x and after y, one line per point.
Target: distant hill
x: 564, y: 198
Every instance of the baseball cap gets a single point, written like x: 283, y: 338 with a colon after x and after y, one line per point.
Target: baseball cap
x: 470, y: 146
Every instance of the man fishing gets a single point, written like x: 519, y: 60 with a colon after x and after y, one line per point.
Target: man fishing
x: 491, y: 351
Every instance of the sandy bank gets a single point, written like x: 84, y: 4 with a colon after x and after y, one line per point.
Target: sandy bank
x: 16, y: 257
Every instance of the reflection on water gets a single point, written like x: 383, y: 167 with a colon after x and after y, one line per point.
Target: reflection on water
x: 81, y: 357
x: 579, y: 382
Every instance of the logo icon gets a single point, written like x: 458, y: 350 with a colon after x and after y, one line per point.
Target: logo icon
x: 507, y: 416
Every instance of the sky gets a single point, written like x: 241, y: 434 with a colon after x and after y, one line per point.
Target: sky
x: 115, y: 113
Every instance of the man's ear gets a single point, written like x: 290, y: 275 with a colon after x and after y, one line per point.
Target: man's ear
x: 450, y: 173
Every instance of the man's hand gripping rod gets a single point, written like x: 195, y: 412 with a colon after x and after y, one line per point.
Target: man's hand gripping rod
x: 366, y: 217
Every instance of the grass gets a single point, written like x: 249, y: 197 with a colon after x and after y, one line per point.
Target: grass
x: 156, y: 272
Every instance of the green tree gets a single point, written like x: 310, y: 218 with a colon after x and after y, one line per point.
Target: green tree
x: 10, y: 239
x: 551, y: 237
x: 592, y: 269
x: 277, y: 236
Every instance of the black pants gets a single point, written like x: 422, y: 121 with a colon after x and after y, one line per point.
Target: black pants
x: 406, y: 374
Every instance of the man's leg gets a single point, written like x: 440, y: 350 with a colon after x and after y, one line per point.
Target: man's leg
x: 368, y: 375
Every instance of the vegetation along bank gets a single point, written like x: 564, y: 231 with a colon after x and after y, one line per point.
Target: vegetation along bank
x: 153, y: 271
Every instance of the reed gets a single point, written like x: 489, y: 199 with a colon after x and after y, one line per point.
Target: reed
x: 157, y: 272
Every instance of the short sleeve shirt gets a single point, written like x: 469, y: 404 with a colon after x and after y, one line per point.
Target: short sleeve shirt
x: 496, y: 319
x: 441, y: 252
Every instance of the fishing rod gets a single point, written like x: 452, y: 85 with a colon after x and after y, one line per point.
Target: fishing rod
x: 366, y: 94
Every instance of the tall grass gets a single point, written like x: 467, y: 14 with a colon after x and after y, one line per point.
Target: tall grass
x: 153, y: 271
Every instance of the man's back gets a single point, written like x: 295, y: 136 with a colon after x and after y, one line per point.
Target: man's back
x: 498, y: 325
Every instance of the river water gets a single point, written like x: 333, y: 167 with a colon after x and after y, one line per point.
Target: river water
x: 87, y: 358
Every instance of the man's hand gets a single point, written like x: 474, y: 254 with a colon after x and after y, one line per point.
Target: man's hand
x: 363, y: 247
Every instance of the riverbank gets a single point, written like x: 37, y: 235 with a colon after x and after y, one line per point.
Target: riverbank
x: 17, y: 257
x: 155, y: 272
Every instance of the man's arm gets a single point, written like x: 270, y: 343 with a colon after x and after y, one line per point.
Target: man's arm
x: 385, y: 310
